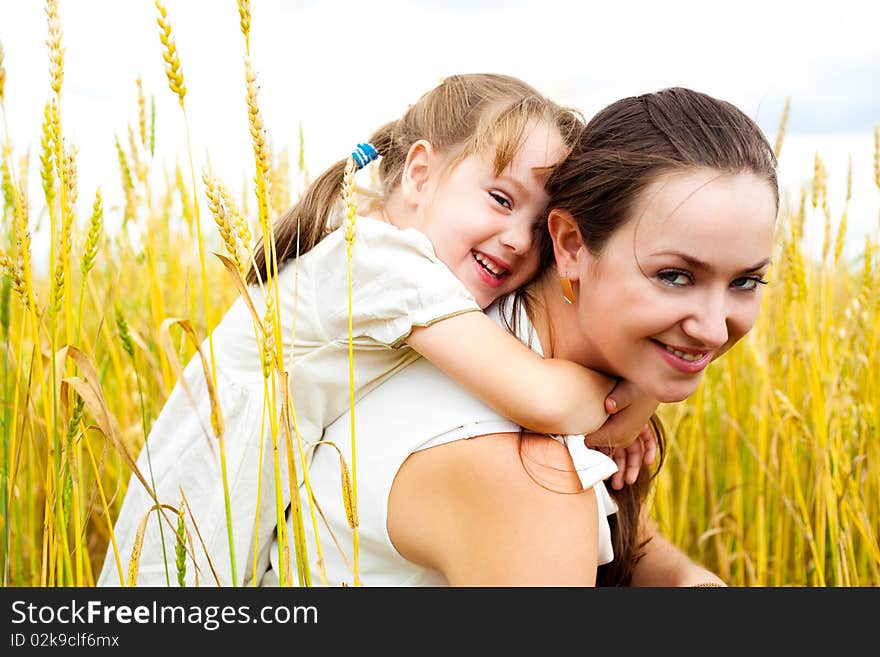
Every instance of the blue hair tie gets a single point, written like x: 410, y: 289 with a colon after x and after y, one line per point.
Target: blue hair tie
x: 364, y: 154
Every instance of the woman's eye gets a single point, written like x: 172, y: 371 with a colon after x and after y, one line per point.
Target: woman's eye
x: 674, y: 277
x: 748, y: 283
x: 501, y: 199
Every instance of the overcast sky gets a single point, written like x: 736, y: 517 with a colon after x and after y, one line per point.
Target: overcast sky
x: 343, y: 68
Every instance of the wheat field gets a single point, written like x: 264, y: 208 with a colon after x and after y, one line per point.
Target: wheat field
x: 772, y: 475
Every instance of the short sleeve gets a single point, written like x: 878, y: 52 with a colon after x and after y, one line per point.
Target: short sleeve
x: 593, y: 467
x: 398, y: 283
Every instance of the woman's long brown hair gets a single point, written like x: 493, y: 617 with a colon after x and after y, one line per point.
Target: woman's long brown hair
x: 622, y: 150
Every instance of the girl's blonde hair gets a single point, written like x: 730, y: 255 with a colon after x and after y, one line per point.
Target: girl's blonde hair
x: 464, y: 115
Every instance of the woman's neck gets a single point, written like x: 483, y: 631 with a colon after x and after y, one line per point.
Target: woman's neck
x: 557, y: 324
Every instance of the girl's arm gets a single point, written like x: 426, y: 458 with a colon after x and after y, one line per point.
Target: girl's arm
x: 545, y: 395
x: 496, y: 511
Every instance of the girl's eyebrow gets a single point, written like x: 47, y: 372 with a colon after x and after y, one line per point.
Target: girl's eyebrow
x: 515, y: 182
x: 699, y: 264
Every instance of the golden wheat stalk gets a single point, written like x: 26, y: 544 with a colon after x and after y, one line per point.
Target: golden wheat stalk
x: 62, y: 264
x: 349, y: 191
x: 47, y: 153
x: 96, y: 227
x: 242, y: 227
x: 783, y: 122
x: 173, y: 69
x: 140, y: 168
x: 23, y: 247
x: 7, y: 184
x: 260, y: 147
x: 142, y: 114
x: 279, y: 183
x: 841, y: 229
x: 56, y: 52
x: 180, y: 547
x: 244, y: 14
x: 127, y: 184
x: 225, y: 224
x: 15, y: 276
x: 301, y: 159
x: 2, y: 76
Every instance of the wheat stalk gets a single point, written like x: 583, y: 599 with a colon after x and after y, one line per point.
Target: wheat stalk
x: 96, y: 227
x: 2, y: 76
x: 841, y: 229
x: 142, y: 114
x: 6, y: 182
x: 783, y: 122
x: 877, y: 156
x: 261, y: 150
x: 23, y: 247
x: 279, y: 183
x: 47, y: 153
x: 140, y: 167
x: 180, y: 546
x: 62, y: 264
x: 127, y: 184
x: 301, y: 159
x: 349, y: 190
x: 242, y: 227
x: 16, y: 277
x: 225, y: 224
x: 244, y: 14
x: 56, y: 52
x: 173, y: 70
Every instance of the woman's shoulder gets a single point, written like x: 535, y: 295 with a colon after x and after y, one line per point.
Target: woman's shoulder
x: 507, y: 490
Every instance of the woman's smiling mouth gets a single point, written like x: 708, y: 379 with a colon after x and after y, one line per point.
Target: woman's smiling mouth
x: 690, y: 361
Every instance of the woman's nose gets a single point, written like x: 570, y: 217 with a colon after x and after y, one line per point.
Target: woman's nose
x: 707, y: 322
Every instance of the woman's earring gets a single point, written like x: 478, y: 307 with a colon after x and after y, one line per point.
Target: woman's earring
x: 567, y: 291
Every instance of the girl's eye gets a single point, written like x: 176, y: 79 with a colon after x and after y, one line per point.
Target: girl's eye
x: 748, y: 283
x: 674, y: 277
x: 502, y: 200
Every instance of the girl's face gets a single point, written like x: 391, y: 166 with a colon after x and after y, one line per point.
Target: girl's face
x: 482, y: 225
x: 680, y: 282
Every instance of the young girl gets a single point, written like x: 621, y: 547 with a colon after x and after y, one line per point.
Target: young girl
x: 462, y: 176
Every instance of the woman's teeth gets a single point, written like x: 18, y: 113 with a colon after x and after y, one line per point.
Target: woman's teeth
x: 493, y: 269
x: 688, y: 357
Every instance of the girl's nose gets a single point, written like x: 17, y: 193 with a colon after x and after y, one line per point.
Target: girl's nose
x: 518, y: 239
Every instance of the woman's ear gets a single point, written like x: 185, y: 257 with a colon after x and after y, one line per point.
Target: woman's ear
x: 567, y: 241
x: 420, y: 162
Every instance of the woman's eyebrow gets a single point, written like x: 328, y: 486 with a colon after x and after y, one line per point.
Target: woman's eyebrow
x: 699, y: 264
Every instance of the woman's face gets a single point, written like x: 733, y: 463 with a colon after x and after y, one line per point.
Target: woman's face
x: 680, y: 282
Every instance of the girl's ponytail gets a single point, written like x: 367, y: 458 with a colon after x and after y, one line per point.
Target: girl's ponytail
x: 306, y: 223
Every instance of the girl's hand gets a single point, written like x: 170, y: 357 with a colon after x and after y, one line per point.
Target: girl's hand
x: 629, y: 410
x: 626, y: 435
x: 630, y: 459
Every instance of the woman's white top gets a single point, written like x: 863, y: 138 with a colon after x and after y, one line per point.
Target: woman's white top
x: 397, y: 283
x: 419, y: 407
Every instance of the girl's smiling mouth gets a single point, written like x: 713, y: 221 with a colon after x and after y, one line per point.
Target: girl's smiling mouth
x: 491, y: 270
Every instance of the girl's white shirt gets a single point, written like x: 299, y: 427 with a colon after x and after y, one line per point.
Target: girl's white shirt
x: 418, y: 408
x: 397, y: 283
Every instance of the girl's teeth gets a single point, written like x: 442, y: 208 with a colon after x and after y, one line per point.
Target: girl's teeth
x: 495, y: 271
x: 688, y: 357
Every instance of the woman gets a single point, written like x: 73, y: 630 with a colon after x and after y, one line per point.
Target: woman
x: 659, y: 235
